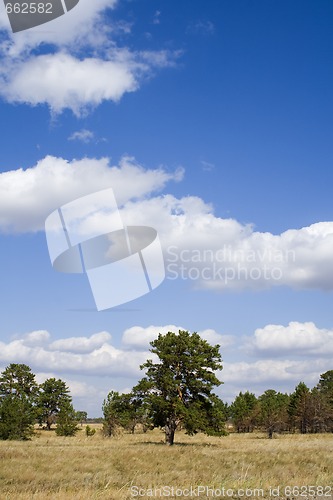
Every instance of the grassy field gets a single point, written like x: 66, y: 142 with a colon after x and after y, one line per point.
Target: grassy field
x: 51, y: 467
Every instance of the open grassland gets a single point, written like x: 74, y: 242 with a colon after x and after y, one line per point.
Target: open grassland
x: 87, y: 468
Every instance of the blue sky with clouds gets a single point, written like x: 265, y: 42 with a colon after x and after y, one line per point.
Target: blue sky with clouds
x: 212, y: 122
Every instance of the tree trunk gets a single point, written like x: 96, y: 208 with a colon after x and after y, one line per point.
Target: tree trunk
x: 170, y: 429
x: 270, y: 433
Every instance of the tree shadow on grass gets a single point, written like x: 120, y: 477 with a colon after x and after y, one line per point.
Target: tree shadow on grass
x: 177, y: 444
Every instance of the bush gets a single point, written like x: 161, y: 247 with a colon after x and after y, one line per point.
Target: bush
x: 90, y: 431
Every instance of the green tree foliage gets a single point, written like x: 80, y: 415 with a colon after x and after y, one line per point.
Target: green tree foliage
x: 273, y: 411
x: 54, y: 395
x: 138, y: 410
x: 18, y: 396
x: 81, y: 416
x: 179, y: 386
x: 321, y: 412
x: 325, y: 386
x: 67, y: 423
x: 123, y: 410
x: 90, y: 431
x: 110, y: 409
x: 300, y: 408
x: 243, y: 411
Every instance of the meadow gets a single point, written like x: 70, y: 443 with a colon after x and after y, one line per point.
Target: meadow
x: 130, y: 466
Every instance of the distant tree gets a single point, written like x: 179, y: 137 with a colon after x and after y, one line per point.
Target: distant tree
x: 81, y: 416
x: 54, y: 394
x: 243, y: 411
x: 111, y: 412
x: 300, y: 408
x: 179, y: 386
x: 321, y: 412
x: 273, y: 411
x: 18, y: 396
x: 67, y: 423
x: 325, y: 385
x: 137, y: 409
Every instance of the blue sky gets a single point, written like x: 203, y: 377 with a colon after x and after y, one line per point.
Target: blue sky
x: 212, y: 122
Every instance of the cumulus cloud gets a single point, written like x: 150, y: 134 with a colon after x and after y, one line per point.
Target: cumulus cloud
x: 213, y: 338
x: 81, y: 344
x: 38, y: 337
x: 138, y: 337
x: 83, y: 390
x: 297, y: 338
x: 278, y: 357
x: 28, y: 196
x: 93, y: 355
x: 282, y: 375
x: 63, y: 81
x: 222, y: 254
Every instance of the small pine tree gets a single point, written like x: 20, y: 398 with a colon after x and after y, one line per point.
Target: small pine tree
x: 67, y: 423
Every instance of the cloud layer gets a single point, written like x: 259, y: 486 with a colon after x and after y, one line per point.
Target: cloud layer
x: 275, y: 356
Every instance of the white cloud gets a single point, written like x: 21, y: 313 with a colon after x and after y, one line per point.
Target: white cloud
x: 214, y: 338
x: 223, y: 254
x: 139, y: 337
x: 63, y: 81
x: 28, y: 196
x: 293, y: 353
x: 38, y: 337
x: 81, y: 344
x: 83, y: 390
x: 297, y: 338
x: 82, y: 135
x: 281, y: 375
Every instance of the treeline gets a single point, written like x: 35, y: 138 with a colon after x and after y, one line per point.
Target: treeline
x: 304, y: 411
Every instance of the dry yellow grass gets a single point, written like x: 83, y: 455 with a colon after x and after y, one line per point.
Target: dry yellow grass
x: 51, y: 467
